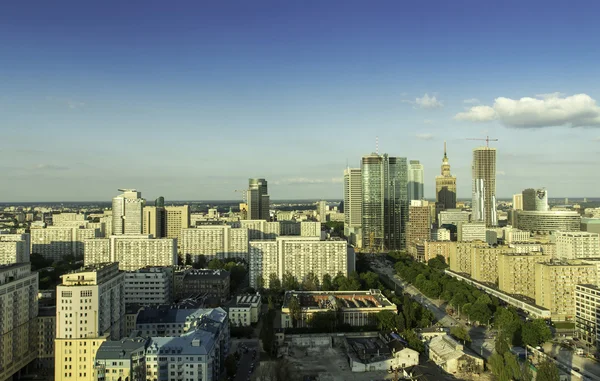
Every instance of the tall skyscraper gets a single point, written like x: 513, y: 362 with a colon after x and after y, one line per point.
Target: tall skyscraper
x: 127, y: 212
x: 445, y: 186
x: 415, y: 181
x: 177, y: 218
x: 353, y: 205
x: 484, y: 186
x: 535, y: 200
x: 385, y: 202
x: 258, y: 199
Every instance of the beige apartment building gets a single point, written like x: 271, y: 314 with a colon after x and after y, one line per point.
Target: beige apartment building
x: 90, y: 309
x: 460, y: 259
x: 555, y: 284
x: 484, y: 263
x: 18, y: 318
x: 587, y: 316
x: 516, y: 272
x: 215, y: 241
x: 14, y: 248
x: 576, y: 245
x: 177, y: 218
x: 132, y: 252
x: 434, y: 248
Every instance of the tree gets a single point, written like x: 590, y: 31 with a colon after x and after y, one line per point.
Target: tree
x: 511, y: 364
x: 536, y: 332
x: 289, y: 282
x: 460, y: 333
x: 230, y: 365
x: 502, y: 343
x: 526, y: 374
x: 327, y: 284
x: 386, y: 321
x: 413, y: 341
x: 215, y: 264
x: 295, y: 310
x: 324, y: 321
x: 439, y: 263
x: 200, y: 262
x: 369, y: 280
x: 496, y: 364
x: 311, y: 282
x: 260, y: 282
x: 547, y: 371
x: 274, y: 283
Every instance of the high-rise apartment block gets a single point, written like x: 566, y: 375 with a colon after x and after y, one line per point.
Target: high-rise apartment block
x: 587, y: 314
x: 322, y: 209
x: 460, y: 259
x: 575, y: 245
x: 445, y: 185
x: 516, y: 272
x: 419, y: 222
x: 214, y: 241
x: 46, y: 323
x: 416, y: 182
x: 18, y: 318
x: 14, y: 248
x: 149, y: 286
x: 471, y: 231
x: 310, y: 229
x: 127, y: 213
x: 154, y: 221
x: 56, y: 242
x: 177, y: 218
x: 385, y: 202
x: 299, y: 256
x: 484, y: 186
x: 555, y: 284
x: 353, y: 206
x: 90, y: 309
x: 484, y: 263
x: 58, y: 218
x: 257, y: 198
x: 535, y: 200
x: 132, y: 252
x: 517, y: 203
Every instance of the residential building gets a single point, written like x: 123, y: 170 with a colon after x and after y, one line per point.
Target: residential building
x: 58, y: 218
x: 299, y: 256
x: 127, y: 213
x: 18, y: 318
x: 310, y: 229
x: 131, y: 252
x: 90, y: 309
x: 546, y: 222
x: 445, y: 185
x: 453, y: 357
x: 416, y: 181
x: 511, y: 235
x: 555, y: 286
x: 516, y: 272
x: 353, y: 199
x: 149, y: 286
x: 453, y: 217
x: 484, y: 263
x: 419, y: 222
x: 260, y: 229
x: 214, y: 241
x: 440, y: 234
x: 46, y: 325
x: 381, y: 353
x: 587, y: 314
x: 517, y: 203
x: 257, y: 198
x: 96, y: 251
x: 358, y: 308
x: 322, y: 210
x: 131, y: 313
x: 56, y: 242
x: 434, y: 248
x: 154, y: 221
x: 460, y: 259
x: 575, y: 245
x: 177, y: 218
x: 122, y: 360
x: 14, y: 248
x: 246, y: 310
x: 471, y: 231
x: 535, y: 200
x: 206, y: 282
x: 484, y: 186
x: 170, y: 321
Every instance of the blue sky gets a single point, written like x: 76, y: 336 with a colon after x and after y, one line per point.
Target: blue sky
x: 188, y: 100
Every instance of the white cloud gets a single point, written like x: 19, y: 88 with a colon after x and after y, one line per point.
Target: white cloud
x: 428, y: 102
x: 500, y: 173
x: 546, y: 110
x: 426, y: 136
x: 471, y: 101
x: 337, y: 180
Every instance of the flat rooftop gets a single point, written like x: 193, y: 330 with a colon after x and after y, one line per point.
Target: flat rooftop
x: 345, y: 299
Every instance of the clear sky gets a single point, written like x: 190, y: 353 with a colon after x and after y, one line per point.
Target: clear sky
x: 189, y: 99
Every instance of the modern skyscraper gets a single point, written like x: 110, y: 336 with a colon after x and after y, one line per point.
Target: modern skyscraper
x: 353, y: 205
x: 419, y: 222
x: 484, y: 186
x: 445, y: 186
x: 518, y: 201
x: 535, y: 200
x: 127, y: 212
x: 258, y: 199
x: 154, y: 221
x: 415, y: 181
x: 385, y: 202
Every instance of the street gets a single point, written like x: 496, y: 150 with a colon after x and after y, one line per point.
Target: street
x: 247, y: 363
x: 570, y: 360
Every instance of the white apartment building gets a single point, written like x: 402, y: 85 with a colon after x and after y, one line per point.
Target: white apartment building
x: 472, y: 231
x: 587, y: 313
x: 310, y: 229
x: 260, y: 229
x: 18, y: 318
x: 177, y: 218
x: 246, y: 310
x: 127, y: 215
x: 215, y: 241
x: 149, y: 286
x: 322, y: 209
x: 56, y: 242
x: 440, y: 234
x: 90, y: 309
x: 59, y: 218
x: 96, y: 251
x: 132, y: 252
x: 453, y: 217
x: 575, y: 245
x: 14, y: 248
x: 299, y: 256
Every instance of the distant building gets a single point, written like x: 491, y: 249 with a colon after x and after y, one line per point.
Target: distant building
x: 453, y: 217
x: 546, y: 222
x: 131, y: 252
x: 56, y: 242
x: 517, y: 201
x: 258, y: 200
x: 440, y: 234
x: 127, y: 212
x: 246, y: 310
x: 535, y: 200
x: 58, y: 218
x: 445, y: 186
x: 14, y: 248
x: 177, y: 218
x: 576, y: 245
x: 155, y: 221
x: 587, y: 318
x: 471, y: 231
x: 416, y: 181
x: 205, y: 282
x: 419, y: 222
x: 149, y: 286
x: 310, y: 229
x: 484, y: 186
x: 322, y: 209
x: 591, y: 225
x: 353, y: 206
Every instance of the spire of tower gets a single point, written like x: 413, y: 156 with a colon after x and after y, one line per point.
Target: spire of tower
x: 445, y: 150
x: 377, y: 145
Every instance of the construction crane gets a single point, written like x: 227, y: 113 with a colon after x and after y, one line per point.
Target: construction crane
x: 487, y: 140
x: 243, y: 192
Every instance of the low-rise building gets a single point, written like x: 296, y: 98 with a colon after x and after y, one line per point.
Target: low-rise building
x: 246, y: 310
x: 452, y: 357
x: 149, y: 286
x: 587, y: 314
x: 173, y: 321
x: 122, y: 360
x: 205, y: 282
x: 358, y: 308
x: 368, y: 354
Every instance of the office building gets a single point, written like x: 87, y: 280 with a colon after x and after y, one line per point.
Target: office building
x: 440, y: 234
x: 385, y: 202
x: 358, y: 308
x: 90, y: 309
x: 535, y: 200
x: 471, y: 231
x: 555, y: 286
x: 322, y: 210
x: 484, y: 186
x: 453, y: 217
x: 547, y: 222
x: 122, y: 360
x: 484, y: 263
x: 177, y: 218
x: 445, y: 186
x: 299, y: 256
x: 14, y: 248
x: 206, y: 283
x: 576, y: 245
x: 18, y: 318
x: 587, y: 314
x: 257, y: 198
x: 511, y: 235
x: 246, y: 310
x: 517, y: 203
x: 149, y: 286
x: 516, y: 272
x: 419, y: 222
x: 154, y: 221
x: 353, y: 206
x: 214, y: 241
x: 56, y: 242
x: 416, y: 182
x: 127, y: 213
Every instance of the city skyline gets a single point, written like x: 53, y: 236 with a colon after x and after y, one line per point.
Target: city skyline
x: 87, y: 95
